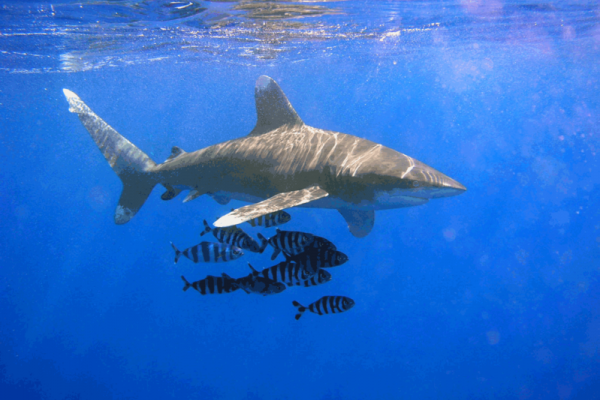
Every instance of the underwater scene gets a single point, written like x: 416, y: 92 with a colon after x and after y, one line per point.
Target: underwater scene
x: 296, y: 200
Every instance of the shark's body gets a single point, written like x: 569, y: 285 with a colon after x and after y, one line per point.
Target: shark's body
x: 282, y: 163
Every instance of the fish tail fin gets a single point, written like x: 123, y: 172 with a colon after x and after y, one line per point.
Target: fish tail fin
x: 263, y: 243
x: 275, y: 254
x: 130, y: 164
x: 177, y: 253
x: 207, y: 228
x: 301, y: 309
x: 254, y: 271
x: 187, y: 284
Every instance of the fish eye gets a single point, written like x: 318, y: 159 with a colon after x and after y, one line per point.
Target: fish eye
x: 416, y: 184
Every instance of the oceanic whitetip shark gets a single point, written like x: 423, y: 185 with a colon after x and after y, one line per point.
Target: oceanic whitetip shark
x: 282, y: 163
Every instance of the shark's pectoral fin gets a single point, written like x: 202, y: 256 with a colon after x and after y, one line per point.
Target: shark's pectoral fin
x: 275, y: 203
x: 222, y: 200
x: 359, y: 222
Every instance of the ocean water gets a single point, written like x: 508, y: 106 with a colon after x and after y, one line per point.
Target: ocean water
x: 492, y: 294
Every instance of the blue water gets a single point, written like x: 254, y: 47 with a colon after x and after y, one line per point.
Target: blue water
x: 493, y: 294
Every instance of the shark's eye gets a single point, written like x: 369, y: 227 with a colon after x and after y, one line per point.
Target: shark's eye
x: 416, y: 184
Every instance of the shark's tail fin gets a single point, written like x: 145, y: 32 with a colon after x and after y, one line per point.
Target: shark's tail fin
x: 130, y: 163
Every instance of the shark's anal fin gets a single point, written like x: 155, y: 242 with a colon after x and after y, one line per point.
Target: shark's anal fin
x: 171, y: 192
x: 273, y: 109
x: 359, y: 222
x: 222, y: 200
x: 278, y: 202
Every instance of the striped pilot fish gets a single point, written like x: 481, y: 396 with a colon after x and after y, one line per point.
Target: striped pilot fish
x: 209, y: 252
x: 314, y: 259
x: 236, y: 237
x: 318, y: 243
x: 257, y: 284
x: 292, y: 274
x: 211, y: 284
x: 326, y: 305
x: 322, y: 276
x: 271, y: 219
x: 291, y: 241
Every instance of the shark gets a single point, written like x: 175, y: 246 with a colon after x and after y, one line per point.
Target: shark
x: 281, y: 163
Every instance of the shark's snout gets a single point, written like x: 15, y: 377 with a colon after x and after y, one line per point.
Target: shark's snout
x: 429, y: 183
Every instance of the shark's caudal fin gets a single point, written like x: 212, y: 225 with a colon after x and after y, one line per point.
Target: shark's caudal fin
x: 129, y: 163
x: 273, y: 109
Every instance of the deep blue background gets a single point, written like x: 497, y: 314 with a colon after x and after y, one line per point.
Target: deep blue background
x: 491, y: 294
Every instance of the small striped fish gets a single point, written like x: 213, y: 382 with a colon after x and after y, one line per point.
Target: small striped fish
x: 326, y: 305
x: 234, y: 236
x: 211, y: 284
x: 318, y: 243
x: 314, y: 259
x: 322, y: 276
x: 285, y: 272
x: 257, y: 284
x: 291, y: 241
x: 209, y: 252
x: 271, y: 219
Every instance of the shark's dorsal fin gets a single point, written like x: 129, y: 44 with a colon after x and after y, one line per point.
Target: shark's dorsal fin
x: 273, y: 109
x: 175, y: 152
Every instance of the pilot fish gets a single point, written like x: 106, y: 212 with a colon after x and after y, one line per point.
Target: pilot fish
x: 236, y: 237
x: 257, y: 284
x: 313, y: 259
x: 271, y: 219
x: 211, y: 284
x: 209, y: 252
x: 292, y: 274
x: 326, y: 305
x: 322, y: 276
x: 291, y: 241
x: 318, y: 243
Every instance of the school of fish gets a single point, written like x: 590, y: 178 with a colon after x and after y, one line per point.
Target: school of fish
x: 307, y: 257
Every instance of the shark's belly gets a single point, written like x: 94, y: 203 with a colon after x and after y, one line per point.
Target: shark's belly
x: 382, y: 201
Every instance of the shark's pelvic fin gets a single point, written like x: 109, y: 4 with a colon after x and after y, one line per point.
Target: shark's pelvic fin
x: 273, y: 109
x: 130, y: 163
x: 359, y: 222
x: 278, y: 202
